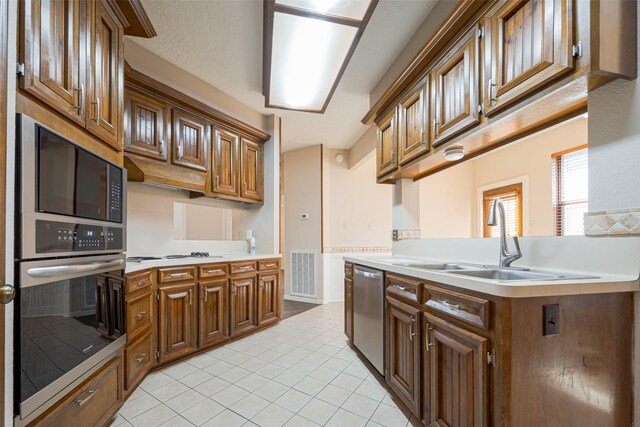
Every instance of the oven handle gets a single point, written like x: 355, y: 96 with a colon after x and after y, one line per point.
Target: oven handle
x: 62, y: 270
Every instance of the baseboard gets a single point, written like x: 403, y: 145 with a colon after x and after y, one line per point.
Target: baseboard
x: 303, y: 299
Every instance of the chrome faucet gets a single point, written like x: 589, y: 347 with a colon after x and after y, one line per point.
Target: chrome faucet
x: 506, y: 257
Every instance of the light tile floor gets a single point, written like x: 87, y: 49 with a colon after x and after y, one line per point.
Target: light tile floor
x: 298, y: 373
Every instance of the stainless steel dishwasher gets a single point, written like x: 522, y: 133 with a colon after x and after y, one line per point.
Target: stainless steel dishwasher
x: 368, y: 314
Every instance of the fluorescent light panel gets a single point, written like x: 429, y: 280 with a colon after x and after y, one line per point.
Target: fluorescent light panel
x: 306, y: 57
x: 353, y: 9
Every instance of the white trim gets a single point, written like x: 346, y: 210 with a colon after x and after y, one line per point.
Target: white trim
x: 303, y: 299
x: 524, y: 180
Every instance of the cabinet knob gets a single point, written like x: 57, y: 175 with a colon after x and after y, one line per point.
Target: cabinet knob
x: 7, y: 294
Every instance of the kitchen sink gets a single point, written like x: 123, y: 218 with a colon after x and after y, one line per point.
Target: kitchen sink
x: 506, y: 275
x: 449, y: 266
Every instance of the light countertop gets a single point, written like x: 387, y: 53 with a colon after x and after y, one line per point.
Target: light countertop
x: 605, y: 283
x: 132, y: 267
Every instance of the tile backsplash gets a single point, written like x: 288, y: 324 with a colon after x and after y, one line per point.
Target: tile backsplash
x: 623, y: 222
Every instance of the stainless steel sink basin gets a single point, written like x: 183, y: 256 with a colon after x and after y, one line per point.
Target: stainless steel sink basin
x: 449, y: 266
x: 506, y: 275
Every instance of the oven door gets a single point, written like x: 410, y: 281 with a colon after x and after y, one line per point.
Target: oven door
x: 70, y: 317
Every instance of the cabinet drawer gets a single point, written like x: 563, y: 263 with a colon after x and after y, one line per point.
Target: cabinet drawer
x: 404, y: 288
x: 137, y: 282
x: 215, y: 270
x: 138, y: 315
x: 348, y: 270
x: 269, y: 264
x: 94, y: 402
x: 471, y: 309
x: 176, y: 274
x: 243, y: 267
x: 137, y: 357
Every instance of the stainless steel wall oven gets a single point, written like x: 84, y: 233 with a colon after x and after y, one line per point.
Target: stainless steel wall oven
x: 70, y: 242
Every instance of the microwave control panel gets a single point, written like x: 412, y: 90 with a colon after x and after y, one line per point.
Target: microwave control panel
x: 54, y: 236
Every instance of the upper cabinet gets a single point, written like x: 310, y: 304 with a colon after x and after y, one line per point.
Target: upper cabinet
x: 224, y: 174
x: 190, y: 141
x: 146, y: 126
x: 251, y: 170
x: 106, y: 74
x: 455, y: 89
x: 53, y: 50
x: 73, y: 56
x: 414, y: 118
x: 528, y: 44
x: 387, y: 144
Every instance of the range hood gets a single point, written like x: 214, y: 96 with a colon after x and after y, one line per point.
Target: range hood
x: 164, y: 174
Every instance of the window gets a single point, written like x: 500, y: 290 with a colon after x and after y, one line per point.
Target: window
x: 570, y: 190
x: 511, y: 196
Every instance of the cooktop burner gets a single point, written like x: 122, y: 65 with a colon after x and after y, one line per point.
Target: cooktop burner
x: 154, y: 258
x: 141, y: 258
x: 192, y: 255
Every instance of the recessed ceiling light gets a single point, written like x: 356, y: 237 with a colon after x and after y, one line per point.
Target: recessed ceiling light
x: 307, y: 45
x: 454, y: 154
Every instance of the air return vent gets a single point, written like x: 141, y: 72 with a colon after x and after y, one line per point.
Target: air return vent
x: 303, y: 273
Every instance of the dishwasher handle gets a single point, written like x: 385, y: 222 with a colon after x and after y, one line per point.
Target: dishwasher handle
x: 368, y: 274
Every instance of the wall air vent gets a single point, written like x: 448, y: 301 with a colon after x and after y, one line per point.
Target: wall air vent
x: 303, y: 273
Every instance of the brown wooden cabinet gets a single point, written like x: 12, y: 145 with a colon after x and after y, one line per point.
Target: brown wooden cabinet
x: 252, y: 175
x: 213, y: 312
x: 105, y: 88
x: 177, y: 311
x: 73, y: 55
x: 146, y: 126
x: 243, y: 304
x: 413, y: 125
x: 455, y: 96
x: 268, y: 295
x: 403, y: 352
x: 53, y: 44
x: 528, y: 45
x: 190, y: 140
x: 225, y: 168
x: 386, y: 145
x: 456, y: 373
x: 138, y: 358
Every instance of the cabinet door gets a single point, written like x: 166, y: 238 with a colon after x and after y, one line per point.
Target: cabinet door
x: 403, y: 352
x: 455, y: 375
x: 53, y: 44
x: 455, y: 94
x: 528, y: 44
x: 225, y: 163
x: 414, y: 118
x: 386, y: 146
x: 146, y: 126
x: 177, y: 318
x: 213, y: 312
x: 243, y: 305
x: 190, y: 141
x: 105, y: 74
x: 268, y: 298
x: 348, y: 308
x: 252, y: 176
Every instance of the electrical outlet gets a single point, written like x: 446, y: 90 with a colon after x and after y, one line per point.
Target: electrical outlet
x: 551, y: 319
x: 372, y: 226
x: 345, y: 226
x: 394, y: 235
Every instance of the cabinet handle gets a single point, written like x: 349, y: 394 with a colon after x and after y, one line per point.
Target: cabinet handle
x: 233, y: 289
x: 190, y: 300
x: 162, y: 146
x: 180, y: 150
x: 80, y: 91
x: 141, y: 282
x: 204, y: 291
x: 435, y: 127
x: 402, y: 288
x: 177, y: 274
x: 450, y: 305
x: 97, y: 104
x: 412, y: 332
x: 491, y: 95
x: 245, y: 268
x: 217, y: 181
x: 141, y: 357
x: 90, y: 394
x: 214, y: 271
x: 421, y: 136
x: 141, y: 315
x: 270, y: 265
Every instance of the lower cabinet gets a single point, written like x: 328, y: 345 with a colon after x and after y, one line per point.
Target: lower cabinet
x: 138, y: 358
x: 403, y: 370
x: 455, y: 375
x: 177, y: 321
x: 268, y: 296
x: 213, y: 313
x: 243, y: 304
x: 93, y: 403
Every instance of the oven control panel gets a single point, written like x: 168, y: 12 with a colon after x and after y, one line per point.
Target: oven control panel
x: 54, y: 236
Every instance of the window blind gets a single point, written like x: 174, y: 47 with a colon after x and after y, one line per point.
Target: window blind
x: 570, y: 183
x: 511, y: 196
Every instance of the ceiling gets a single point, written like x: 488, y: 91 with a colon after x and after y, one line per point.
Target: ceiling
x: 220, y: 42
